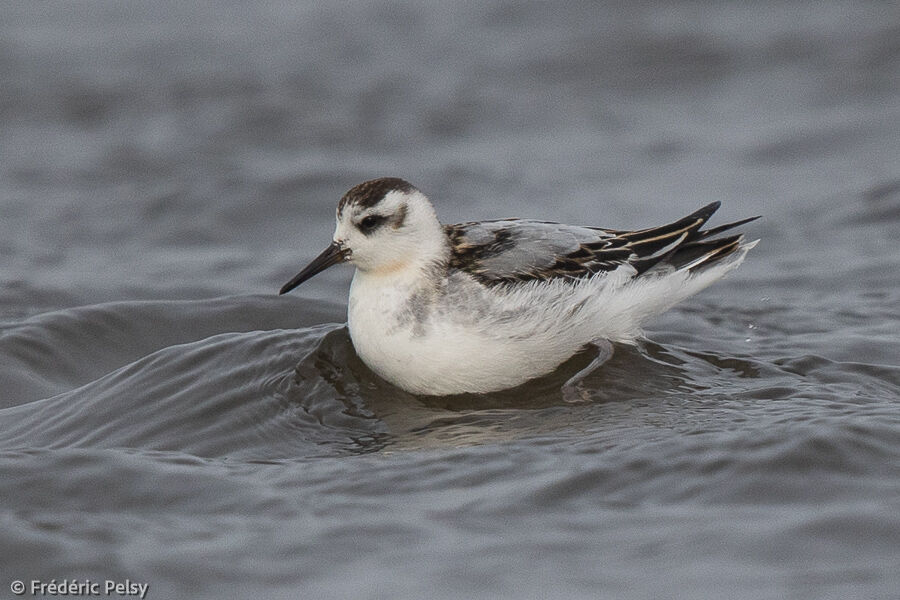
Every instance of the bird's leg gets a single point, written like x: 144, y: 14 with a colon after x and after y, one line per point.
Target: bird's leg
x: 571, y: 389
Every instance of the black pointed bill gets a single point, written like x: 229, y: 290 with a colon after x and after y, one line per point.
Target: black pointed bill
x: 332, y: 255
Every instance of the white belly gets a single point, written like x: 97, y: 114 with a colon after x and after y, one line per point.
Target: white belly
x: 434, y: 355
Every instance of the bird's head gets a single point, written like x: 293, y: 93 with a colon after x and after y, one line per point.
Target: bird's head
x: 382, y: 226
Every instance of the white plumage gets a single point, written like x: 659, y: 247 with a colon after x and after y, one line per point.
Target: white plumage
x: 480, y: 307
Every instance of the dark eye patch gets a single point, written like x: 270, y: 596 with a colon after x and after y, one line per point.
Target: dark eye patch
x: 371, y: 222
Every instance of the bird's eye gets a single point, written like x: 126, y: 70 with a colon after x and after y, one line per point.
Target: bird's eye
x: 370, y: 222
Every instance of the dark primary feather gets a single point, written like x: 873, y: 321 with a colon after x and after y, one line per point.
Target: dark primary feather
x: 514, y: 250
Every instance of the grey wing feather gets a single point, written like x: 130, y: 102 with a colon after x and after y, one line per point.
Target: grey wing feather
x: 519, y: 250
x: 516, y: 250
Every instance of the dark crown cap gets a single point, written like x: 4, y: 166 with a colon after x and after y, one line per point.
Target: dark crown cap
x: 370, y: 192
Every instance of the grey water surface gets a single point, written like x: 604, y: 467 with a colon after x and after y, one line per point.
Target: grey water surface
x: 166, y: 418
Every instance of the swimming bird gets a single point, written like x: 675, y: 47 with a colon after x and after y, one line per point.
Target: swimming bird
x: 484, y: 306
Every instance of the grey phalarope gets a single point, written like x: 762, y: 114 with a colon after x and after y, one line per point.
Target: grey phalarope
x: 479, y: 307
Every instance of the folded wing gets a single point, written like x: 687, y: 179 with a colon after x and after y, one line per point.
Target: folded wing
x: 518, y: 250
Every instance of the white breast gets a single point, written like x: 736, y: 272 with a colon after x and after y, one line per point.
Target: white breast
x: 433, y: 345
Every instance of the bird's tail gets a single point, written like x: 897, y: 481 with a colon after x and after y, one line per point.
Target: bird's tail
x: 684, y: 244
